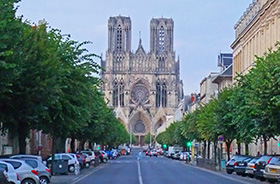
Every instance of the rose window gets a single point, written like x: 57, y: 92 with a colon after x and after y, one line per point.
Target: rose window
x: 139, y: 93
x: 139, y: 127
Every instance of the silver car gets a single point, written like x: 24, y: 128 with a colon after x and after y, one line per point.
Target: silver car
x: 26, y: 174
x: 11, y: 173
x: 43, y: 171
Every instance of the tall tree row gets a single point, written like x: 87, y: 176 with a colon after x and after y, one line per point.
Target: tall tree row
x: 47, y: 82
x: 245, y: 112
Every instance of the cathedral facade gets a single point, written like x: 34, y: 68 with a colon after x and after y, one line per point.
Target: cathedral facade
x: 144, y: 88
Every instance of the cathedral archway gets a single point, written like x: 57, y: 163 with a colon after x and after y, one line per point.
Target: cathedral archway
x: 139, y: 125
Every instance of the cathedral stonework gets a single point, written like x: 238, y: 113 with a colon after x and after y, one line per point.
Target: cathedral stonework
x: 143, y: 88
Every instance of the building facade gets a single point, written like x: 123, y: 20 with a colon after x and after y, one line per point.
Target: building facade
x: 256, y: 32
x: 143, y: 88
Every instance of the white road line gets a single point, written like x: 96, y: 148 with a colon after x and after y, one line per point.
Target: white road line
x: 139, y: 173
x: 79, y: 179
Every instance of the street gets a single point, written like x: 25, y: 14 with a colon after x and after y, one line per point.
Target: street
x: 157, y: 170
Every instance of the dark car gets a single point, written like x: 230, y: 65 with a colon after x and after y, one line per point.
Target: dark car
x: 240, y: 166
x: 231, y: 164
x: 260, y: 166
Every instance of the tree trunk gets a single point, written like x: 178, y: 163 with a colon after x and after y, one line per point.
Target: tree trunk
x: 72, y: 144
x: 215, y: 152
x: 228, y: 143
x: 204, y: 149
x: 265, y: 144
x: 82, y: 144
x: 239, y: 148
x: 22, y: 135
x: 208, y: 150
x: 246, y: 149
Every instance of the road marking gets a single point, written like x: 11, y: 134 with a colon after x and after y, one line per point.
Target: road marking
x: 139, y: 173
x: 81, y: 178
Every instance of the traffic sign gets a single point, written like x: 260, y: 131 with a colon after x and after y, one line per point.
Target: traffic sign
x: 221, y: 138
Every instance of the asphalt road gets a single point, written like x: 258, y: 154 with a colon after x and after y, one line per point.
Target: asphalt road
x: 157, y: 170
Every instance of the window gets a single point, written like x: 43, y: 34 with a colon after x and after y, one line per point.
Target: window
x: 32, y: 163
x: 161, y: 39
x: 65, y: 157
x: 161, y: 94
x: 119, y: 38
x: 15, y: 164
x: 4, y: 166
x: 118, y: 93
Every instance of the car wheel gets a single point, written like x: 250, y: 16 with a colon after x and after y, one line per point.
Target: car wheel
x: 28, y: 181
x: 71, y: 168
x: 44, y: 180
x: 105, y: 160
x: 229, y: 171
x: 87, y: 165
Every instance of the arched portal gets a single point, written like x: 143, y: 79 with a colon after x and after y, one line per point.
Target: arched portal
x: 139, y: 125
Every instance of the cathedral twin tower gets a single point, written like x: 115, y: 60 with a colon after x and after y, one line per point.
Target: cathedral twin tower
x: 143, y: 88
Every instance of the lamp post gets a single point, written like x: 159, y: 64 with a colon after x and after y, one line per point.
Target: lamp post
x: 130, y: 136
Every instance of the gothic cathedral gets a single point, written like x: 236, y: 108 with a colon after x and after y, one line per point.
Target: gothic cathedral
x: 143, y: 88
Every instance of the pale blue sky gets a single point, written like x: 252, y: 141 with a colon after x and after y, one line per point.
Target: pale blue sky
x: 202, y: 29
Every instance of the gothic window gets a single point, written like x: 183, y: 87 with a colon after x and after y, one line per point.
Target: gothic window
x: 158, y: 94
x: 161, y: 94
x: 164, y: 96
x: 122, y: 93
x: 139, y: 127
x: 119, y: 38
x: 161, y: 39
x: 118, y: 93
x: 140, y: 94
x: 115, y: 94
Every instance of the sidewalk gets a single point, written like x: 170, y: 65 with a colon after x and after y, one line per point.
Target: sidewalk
x: 72, y: 178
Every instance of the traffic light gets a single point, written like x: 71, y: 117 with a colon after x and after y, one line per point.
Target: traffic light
x: 189, y: 144
x: 98, y: 147
x: 164, y: 146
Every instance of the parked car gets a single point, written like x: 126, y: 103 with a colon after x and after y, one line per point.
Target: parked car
x: 240, y: 166
x: 153, y: 153
x: 272, y: 170
x: 260, y: 166
x: 84, y: 160
x: 12, y: 176
x: 26, y: 174
x: 91, y: 155
x: 70, y: 157
x: 43, y: 171
x: 185, y: 156
x: 176, y: 155
x: 233, y: 162
x: 104, y: 156
x: 109, y: 153
x: 250, y: 167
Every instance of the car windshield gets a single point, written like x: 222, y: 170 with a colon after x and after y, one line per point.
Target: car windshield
x: 264, y: 159
x: 275, y: 161
x: 238, y: 158
x: 253, y: 160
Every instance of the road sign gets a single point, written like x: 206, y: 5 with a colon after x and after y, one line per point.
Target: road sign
x: 221, y: 138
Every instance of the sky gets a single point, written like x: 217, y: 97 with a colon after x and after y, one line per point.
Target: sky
x: 202, y: 29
